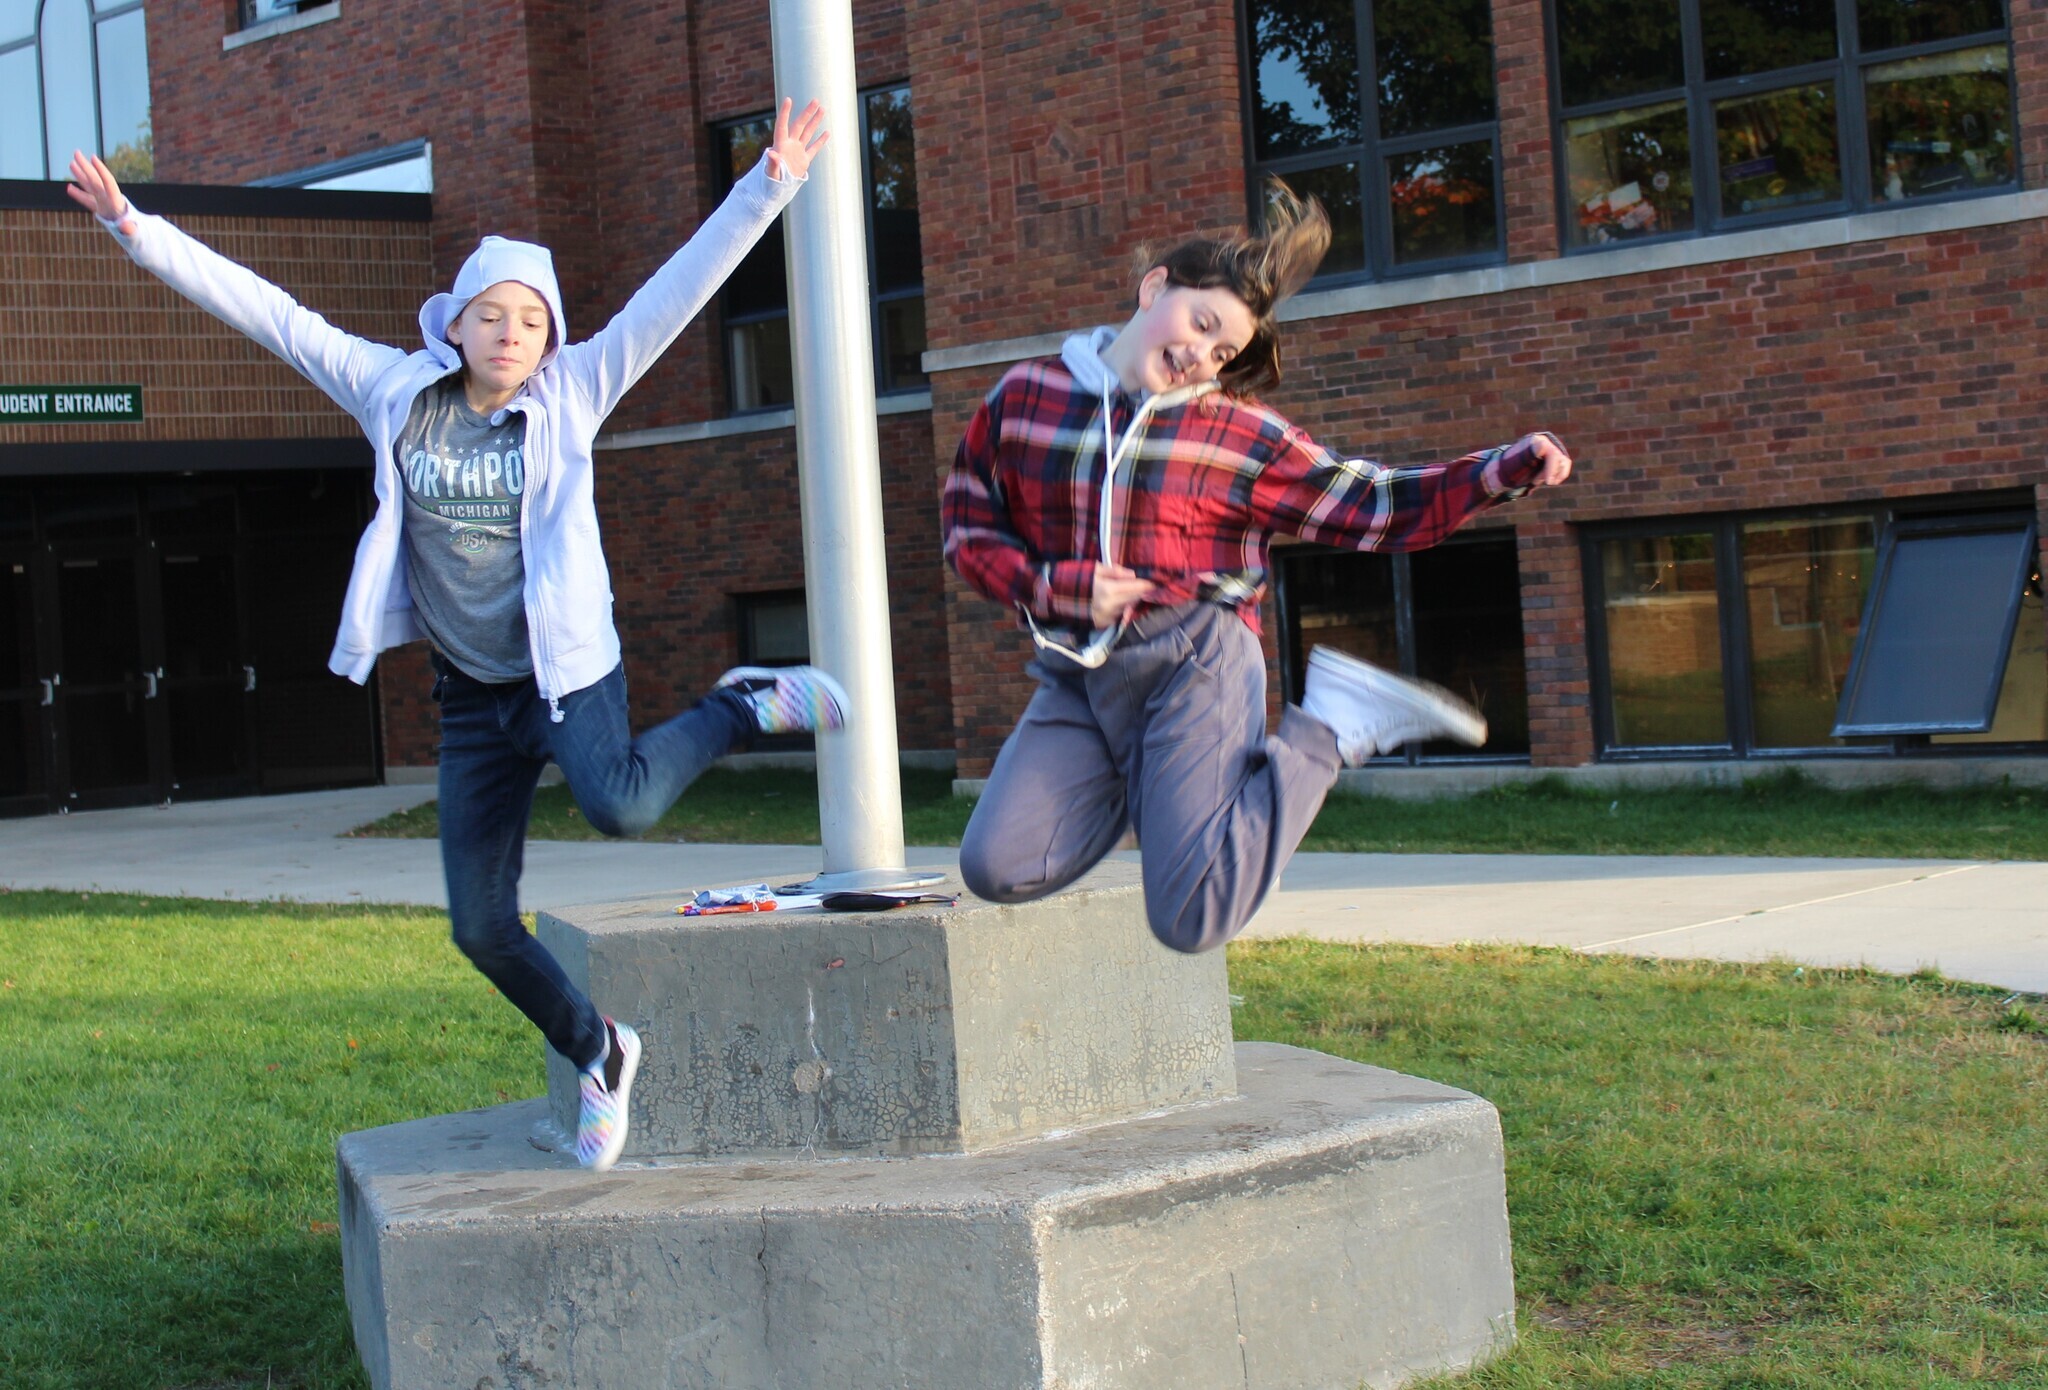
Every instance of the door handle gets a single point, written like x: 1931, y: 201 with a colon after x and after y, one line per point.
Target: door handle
x: 248, y: 679
x: 149, y: 679
x: 49, y: 685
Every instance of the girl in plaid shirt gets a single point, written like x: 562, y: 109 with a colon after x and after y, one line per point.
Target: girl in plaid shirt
x: 1123, y: 497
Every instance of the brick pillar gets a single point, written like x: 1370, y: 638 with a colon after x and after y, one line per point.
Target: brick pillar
x: 1554, y: 644
x: 2030, y: 67
x: 1522, y: 82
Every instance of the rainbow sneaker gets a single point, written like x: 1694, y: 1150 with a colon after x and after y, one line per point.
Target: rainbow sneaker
x: 604, y: 1092
x: 787, y: 699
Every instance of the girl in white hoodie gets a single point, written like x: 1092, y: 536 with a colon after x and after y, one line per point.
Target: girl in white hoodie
x: 485, y: 542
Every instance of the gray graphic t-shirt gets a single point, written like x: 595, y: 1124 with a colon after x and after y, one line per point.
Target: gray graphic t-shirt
x: 463, y: 479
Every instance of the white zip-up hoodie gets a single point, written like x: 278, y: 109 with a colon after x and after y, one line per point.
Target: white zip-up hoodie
x: 565, y: 401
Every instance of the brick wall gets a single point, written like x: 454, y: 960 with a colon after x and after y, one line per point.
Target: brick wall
x: 75, y: 308
x: 1053, y: 141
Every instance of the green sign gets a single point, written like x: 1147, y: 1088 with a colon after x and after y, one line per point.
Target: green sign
x: 50, y: 405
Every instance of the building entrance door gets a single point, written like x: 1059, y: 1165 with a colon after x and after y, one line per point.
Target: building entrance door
x: 150, y: 643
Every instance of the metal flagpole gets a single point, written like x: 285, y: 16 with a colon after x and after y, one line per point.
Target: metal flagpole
x: 860, y: 804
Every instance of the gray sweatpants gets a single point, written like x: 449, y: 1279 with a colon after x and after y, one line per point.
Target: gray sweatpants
x: 1168, y: 737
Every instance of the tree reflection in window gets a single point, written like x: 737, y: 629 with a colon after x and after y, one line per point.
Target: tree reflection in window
x: 1772, y: 80
x: 1408, y: 178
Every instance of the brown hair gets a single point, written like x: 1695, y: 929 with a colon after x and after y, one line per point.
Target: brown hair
x: 1261, y: 270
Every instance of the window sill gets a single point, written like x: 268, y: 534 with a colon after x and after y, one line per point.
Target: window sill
x: 290, y: 24
x: 760, y: 422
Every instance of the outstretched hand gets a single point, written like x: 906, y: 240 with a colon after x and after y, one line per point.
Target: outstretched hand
x: 93, y: 187
x: 789, y: 157
x: 1555, y: 463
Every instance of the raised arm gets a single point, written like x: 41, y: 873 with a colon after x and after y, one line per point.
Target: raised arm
x: 606, y: 365
x: 339, y: 363
x: 1310, y: 492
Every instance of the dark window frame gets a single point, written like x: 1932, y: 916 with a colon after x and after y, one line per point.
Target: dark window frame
x: 1370, y: 154
x: 743, y: 607
x: 1846, y: 71
x: 1288, y: 638
x: 722, y: 167
x: 1736, y: 674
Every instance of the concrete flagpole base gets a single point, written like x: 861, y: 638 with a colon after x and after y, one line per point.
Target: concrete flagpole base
x: 980, y: 1146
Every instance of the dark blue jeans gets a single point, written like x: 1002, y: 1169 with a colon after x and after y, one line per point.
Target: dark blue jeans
x: 495, y: 739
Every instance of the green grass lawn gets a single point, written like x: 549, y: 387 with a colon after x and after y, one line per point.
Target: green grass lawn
x: 1719, y: 1176
x: 1772, y: 814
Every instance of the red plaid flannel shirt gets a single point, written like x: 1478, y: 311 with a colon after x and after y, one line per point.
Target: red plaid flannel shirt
x: 1200, y: 495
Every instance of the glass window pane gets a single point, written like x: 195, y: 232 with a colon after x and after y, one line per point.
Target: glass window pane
x: 1434, y: 59
x: 1630, y: 173
x: 88, y: 512
x: 1467, y: 600
x: 71, y: 122
x: 1940, y: 124
x: 2022, y: 715
x: 774, y: 630
x: 1617, y: 48
x: 1337, y: 189
x: 1745, y: 37
x: 1778, y: 150
x: 1344, y: 601
x: 1305, y: 71
x: 1896, y: 23
x: 21, y: 117
x: 1664, y: 642
x: 892, y: 187
x: 902, y: 343
x: 124, y: 98
x: 1939, y: 625
x: 1442, y: 201
x: 1805, y: 583
x: 745, y: 143
x: 17, y: 19
x: 758, y: 283
x: 761, y: 372
x: 414, y: 175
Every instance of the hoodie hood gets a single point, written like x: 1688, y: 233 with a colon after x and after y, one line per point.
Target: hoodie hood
x: 495, y: 260
x: 1081, y: 354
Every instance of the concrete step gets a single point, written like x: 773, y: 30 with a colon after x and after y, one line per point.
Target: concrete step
x: 1329, y: 1226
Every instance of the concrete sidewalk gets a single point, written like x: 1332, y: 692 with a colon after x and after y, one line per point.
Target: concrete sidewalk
x: 1972, y: 921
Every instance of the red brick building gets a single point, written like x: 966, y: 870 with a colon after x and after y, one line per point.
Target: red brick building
x: 1774, y: 273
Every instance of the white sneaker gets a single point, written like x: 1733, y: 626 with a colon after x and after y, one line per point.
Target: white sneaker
x: 1373, y: 710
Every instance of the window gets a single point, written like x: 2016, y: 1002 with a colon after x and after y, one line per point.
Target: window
x: 1451, y: 615
x: 775, y: 630
x: 1384, y: 110
x: 1737, y: 636
x: 255, y: 12
x: 1942, y: 612
x: 755, y: 300
x: 74, y: 75
x: 407, y: 168
x: 1687, y: 116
